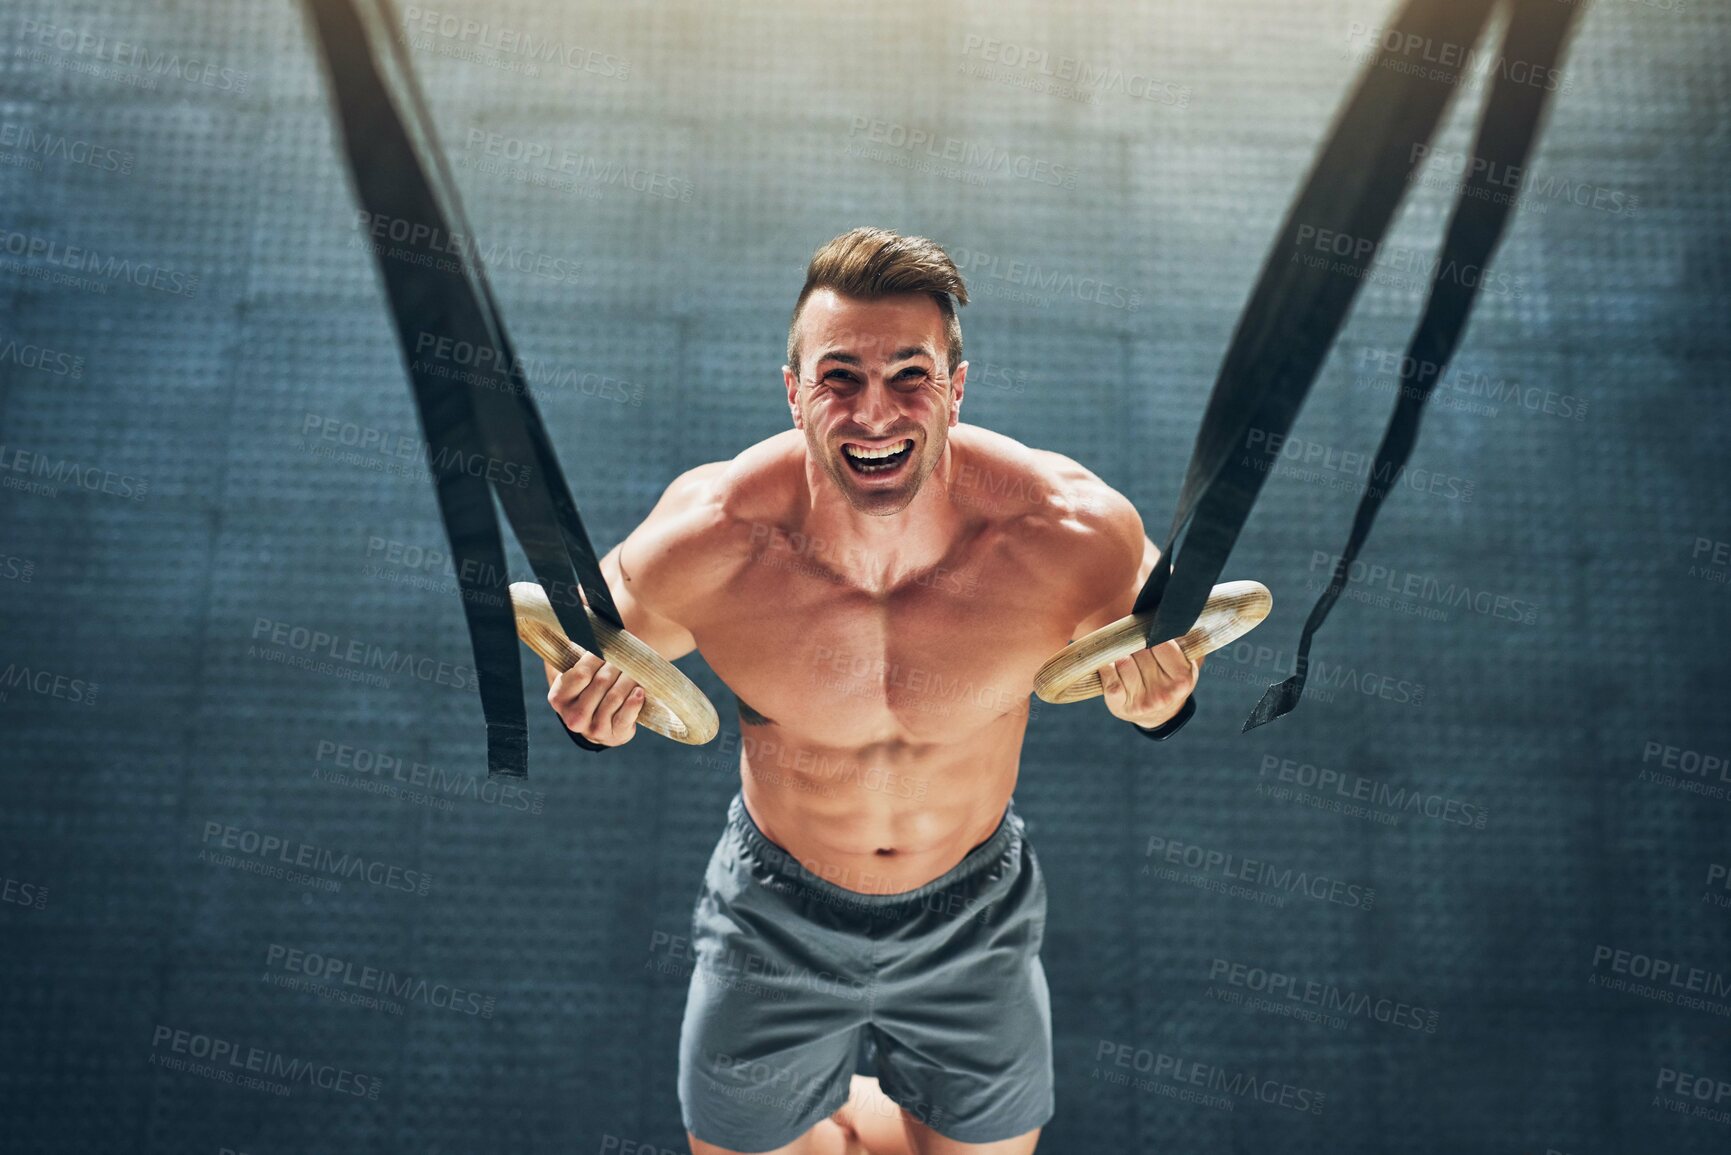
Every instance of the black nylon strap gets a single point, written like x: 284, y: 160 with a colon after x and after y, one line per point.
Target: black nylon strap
x: 1508, y: 129
x: 437, y: 289
x: 1296, y: 309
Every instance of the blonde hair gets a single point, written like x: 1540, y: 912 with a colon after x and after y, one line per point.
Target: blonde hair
x: 871, y: 263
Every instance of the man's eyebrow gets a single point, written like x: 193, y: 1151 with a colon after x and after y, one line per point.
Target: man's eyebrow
x: 904, y: 354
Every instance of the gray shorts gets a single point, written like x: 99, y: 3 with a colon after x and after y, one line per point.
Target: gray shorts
x: 795, y: 978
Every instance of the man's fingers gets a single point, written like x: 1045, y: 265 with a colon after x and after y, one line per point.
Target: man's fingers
x: 1188, y: 669
x: 1166, y: 663
x: 574, y: 693
x: 590, y: 699
x: 1110, y: 682
x: 625, y: 717
x: 595, y: 699
x: 1147, y: 678
x: 554, y: 673
x: 1131, y: 672
x: 1178, y: 667
x: 608, y: 713
x: 1169, y: 658
x: 1148, y: 664
x: 572, y: 682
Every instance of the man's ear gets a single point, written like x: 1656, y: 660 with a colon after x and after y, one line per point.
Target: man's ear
x: 792, y: 383
x: 958, y: 382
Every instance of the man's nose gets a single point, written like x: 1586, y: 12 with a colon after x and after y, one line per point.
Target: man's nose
x: 877, y: 405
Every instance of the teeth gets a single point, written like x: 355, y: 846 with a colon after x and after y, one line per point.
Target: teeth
x: 859, y: 453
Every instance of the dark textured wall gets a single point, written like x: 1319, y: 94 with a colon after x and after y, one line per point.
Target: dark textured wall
x: 179, y: 501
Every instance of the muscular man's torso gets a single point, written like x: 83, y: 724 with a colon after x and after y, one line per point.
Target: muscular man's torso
x: 882, y: 714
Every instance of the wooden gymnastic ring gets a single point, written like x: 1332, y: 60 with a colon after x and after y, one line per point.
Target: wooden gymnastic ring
x: 673, y: 706
x: 1073, y: 673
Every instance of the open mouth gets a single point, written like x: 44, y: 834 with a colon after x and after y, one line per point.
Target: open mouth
x: 869, y: 460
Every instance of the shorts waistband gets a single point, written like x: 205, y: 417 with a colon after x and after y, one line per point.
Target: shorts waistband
x: 1004, y: 840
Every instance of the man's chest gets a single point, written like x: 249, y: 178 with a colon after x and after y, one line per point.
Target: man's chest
x: 931, y: 659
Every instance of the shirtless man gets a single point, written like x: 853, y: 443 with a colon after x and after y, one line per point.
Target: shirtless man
x: 880, y: 625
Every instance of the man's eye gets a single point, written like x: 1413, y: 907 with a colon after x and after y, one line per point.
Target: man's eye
x: 838, y: 375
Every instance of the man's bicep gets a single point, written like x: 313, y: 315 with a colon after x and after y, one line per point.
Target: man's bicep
x: 644, y: 572
x: 661, y: 634
x: 1120, y: 582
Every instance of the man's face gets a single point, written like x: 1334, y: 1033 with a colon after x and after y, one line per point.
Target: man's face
x: 874, y: 375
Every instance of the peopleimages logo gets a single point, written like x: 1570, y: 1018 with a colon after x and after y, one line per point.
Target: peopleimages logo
x: 1322, y: 676
x: 1066, y: 75
x: 494, y: 369
x: 21, y: 893
x: 32, y: 472
x: 1516, y: 182
x: 510, y: 42
x: 67, y: 150
x: 541, y: 159
x: 1190, y: 1073
x: 1383, y: 262
x: 971, y: 155
x: 416, y: 242
x: 1285, y: 451
x: 358, y: 657
x: 1216, y: 865
x: 328, y: 437
x: 1661, y: 980
x: 230, y: 1062
x: 1342, y: 787
x: 275, y: 851
x: 383, y: 772
x: 1324, y: 998
x: 1391, y: 587
x: 1029, y: 276
x: 1703, y: 1096
x: 46, y: 683
x: 1458, y: 388
x: 346, y: 981
x: 76, y: 258
x: 42, y: 359
x: 1437, y: 59
x: 1670, y: 973
x: 100, y: 50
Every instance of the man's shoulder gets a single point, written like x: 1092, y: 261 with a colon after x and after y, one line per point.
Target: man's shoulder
x: 1049, y: 495
x: 713, y: 506
x: 1068, y: 523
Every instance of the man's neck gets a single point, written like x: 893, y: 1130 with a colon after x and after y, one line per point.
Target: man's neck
x: 880, y: 550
